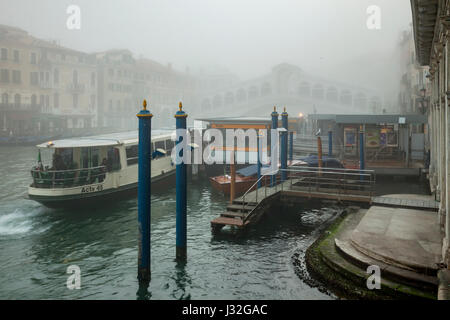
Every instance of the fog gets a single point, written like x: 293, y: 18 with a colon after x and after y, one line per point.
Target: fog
x: 245, y: 37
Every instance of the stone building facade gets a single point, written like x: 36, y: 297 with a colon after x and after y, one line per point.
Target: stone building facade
x: 47, y: 89
x: 414, y: 85
x: 431, y: 20
x: 44, y: 88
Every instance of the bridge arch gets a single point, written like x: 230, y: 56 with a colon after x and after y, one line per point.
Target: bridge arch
x: 346, y: 97
x: 318, y: 91
x: 304, y: 89
x: 332, y: 94
x: 229, y: 98
x: 217, y: 100
x: 253, y: 92
x: 360, y: 100
x: 241, y: 95
x: 266, y: 89
x: 206, y: 105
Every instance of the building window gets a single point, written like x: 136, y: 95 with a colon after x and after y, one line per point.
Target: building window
x: 75, y: 77
x: 93, y: 79
x: 93, y: 101
x: 16, y: 76
x: 4, y: 75
x: 33, y: 100
x: 56, y: 100
x: 16, y: 55
x: 75, y: 101
x: 4, y: 54
x: 5, y: 98
x: 33, y: 58
x: 33, y: 78
x: 17, y: 100
x: 56, y: 76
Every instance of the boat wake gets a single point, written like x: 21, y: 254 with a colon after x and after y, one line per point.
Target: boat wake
x: 18, y: 222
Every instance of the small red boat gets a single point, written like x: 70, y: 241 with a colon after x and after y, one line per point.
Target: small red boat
x: 245, y: 179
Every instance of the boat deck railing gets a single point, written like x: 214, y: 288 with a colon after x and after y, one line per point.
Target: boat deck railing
x: 50, y: 179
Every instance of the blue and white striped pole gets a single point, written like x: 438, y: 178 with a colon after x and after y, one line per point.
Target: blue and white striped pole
x: 144, y: 193
x: 181, y: 187
x: 284, y: 137
x: 274, y: 114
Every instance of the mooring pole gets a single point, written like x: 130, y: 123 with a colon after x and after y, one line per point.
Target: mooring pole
x: 362, y: 164
x: 181, y: 187
x: 319, y: 151
x: 330, y: 143
x: 233, y: 177
x: 284, y: 143
x: 291, y: 146
x: 144, y: 193
x: 274, y: 114
x: 259, y: 160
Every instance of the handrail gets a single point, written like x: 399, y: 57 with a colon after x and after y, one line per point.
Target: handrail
x: 67, y: 170
x: 262, y: 176
x: 342, y: 179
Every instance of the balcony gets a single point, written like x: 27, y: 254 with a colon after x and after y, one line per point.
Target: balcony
x: 76, y: 88
x: 19, y: 107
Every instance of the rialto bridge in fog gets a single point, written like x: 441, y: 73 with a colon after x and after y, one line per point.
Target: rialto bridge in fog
x: 287, y: 85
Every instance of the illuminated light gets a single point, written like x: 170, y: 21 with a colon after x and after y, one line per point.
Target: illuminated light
x: 50, y: 143
x: 300, y: 115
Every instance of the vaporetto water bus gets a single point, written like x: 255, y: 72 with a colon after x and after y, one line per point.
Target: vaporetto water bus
x: 87, y: 170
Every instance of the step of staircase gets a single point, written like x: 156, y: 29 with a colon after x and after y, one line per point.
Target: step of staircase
x: 231, y: 214
x: 226, y: 221
x: 240, y: 202
x: 239, y: 207
x: 388, y: 271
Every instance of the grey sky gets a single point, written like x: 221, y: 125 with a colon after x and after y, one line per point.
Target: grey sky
x: 247, y: 37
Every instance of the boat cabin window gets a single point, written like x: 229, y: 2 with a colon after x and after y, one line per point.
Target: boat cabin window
x: 159, y: 145
x: 169, y: 145
x: 63, y: 159
x: 89, y: 157
x: 132, y: 154
x: 113, y: 160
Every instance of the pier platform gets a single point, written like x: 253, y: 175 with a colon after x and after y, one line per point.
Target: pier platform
x: 347, y: 186
x: 302, y: 183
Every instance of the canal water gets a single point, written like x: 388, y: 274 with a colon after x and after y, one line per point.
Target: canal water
x: 37, y: 245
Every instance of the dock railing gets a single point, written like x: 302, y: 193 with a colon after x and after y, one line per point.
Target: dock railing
x: 340, y: 182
